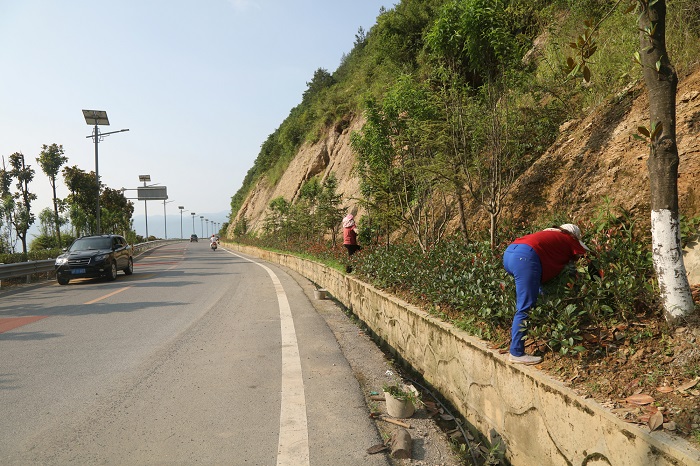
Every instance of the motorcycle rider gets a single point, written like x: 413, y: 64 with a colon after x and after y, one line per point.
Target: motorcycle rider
x: 213, y: 241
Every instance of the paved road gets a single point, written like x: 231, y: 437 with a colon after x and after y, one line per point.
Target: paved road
x: 200, y: 357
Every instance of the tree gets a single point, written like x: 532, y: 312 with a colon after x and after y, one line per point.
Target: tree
x: 51, y: 159
x: 492, y: 174
x: 473, y: 46
x: 116, y: 211
x: 376, y: 169
x: 82, y: 199
x: 661, y: 82
x: 277, y: 216
x: 322, y: 80
x: 328, y: 210
x: 47, y: 231
x: 22, y: 217
x: 7, y: 207
x: 396, y: 153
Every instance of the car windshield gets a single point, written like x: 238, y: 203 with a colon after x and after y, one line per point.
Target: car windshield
x: 86, y: 244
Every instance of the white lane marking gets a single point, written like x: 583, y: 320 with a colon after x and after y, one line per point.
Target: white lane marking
x: 293, y: 444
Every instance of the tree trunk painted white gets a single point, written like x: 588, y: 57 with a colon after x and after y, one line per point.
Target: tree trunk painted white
x: 661, y: 82
x: 668, y: 263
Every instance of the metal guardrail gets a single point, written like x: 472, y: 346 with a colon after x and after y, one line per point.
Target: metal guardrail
x: 22, y: 269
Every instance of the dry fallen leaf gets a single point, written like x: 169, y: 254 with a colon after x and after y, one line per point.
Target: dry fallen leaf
x: 640, y: 399
x: 656, y: 420
x: 688, y: 385
x: 664, y: 389
x: 632, y: 384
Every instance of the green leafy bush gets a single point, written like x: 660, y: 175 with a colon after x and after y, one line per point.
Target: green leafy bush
x: 467, y: 284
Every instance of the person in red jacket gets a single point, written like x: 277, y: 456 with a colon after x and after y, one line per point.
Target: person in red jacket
x: 533, y: 260
x: 350, y: 235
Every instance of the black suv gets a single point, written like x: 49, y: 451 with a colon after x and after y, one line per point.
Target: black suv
x: 193, y: 239
x: 95, y: 256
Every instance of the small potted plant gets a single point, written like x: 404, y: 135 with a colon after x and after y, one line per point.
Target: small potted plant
x: 400, y: 398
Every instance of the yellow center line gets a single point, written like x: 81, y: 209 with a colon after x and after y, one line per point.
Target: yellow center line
x: 108, y: 295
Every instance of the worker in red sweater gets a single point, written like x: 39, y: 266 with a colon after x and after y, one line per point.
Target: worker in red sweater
x: 533, y: 260
x: 350, y: 235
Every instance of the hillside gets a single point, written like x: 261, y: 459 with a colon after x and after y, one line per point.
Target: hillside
x: 593, y: 158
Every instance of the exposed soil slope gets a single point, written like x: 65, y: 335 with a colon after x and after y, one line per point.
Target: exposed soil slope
x: 597, y: 156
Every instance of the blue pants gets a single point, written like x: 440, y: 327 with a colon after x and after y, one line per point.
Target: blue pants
x: 523, y: 263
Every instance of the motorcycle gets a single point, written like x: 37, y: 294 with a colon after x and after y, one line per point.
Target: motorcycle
x: 213, y: 245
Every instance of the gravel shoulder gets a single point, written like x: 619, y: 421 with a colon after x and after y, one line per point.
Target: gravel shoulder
x: 431, y: 445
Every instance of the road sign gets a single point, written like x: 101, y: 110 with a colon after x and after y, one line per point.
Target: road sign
x: 152, y: 193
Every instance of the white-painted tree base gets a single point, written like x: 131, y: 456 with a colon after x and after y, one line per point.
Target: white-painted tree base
x: 668, y: 263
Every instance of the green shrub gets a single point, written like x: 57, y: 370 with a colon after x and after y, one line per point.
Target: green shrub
x: 31, y: 255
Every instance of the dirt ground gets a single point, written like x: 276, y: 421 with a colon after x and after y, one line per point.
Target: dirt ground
x: 644, y: 372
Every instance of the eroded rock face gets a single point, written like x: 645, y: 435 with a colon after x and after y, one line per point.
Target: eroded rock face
x: 332, y: 154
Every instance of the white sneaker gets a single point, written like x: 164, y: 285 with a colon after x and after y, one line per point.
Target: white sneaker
x: 524, y: 359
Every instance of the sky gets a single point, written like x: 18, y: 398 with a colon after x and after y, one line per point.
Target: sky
x: 200, y: 84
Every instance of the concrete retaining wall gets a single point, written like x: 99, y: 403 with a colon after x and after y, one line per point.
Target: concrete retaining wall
x: 538, y: 420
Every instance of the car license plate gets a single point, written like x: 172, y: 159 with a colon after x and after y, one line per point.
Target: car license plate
x: 77, y: 271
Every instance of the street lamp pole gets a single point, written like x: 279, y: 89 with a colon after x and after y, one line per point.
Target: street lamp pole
x: 98, y: 117
x: 165, y: 218
x: 181, y: 207
x: 193, y: 214
x: 201, y: 224
x: 145, y: 178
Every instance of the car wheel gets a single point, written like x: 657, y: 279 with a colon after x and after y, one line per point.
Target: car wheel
x: 112, y: 272
x: 129, y: 268
x: 62, y: 280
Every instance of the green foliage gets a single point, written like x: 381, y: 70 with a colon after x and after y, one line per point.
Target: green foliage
x: 115, y: 212
x: 690, y: 230
x: 467, y: 282
x: 397, y: 153
x: 51, y: 159
x: 478, y: 37
x: 17, y: 205
x: 49, y: 242
x: 82, y: 199
x: 316, y: 213
x: 38, y: 255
